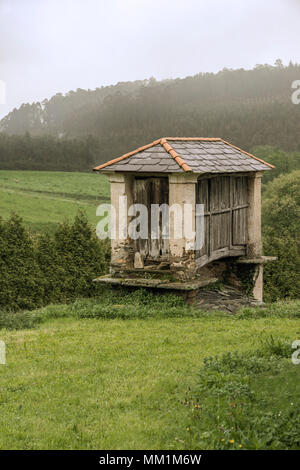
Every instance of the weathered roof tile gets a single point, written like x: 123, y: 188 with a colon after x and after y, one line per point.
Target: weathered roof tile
x: 197, y: 155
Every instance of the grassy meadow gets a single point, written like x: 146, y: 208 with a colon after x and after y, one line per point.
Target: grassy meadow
x: 129, y: 370
x: 83, y: 379
x: 44, y: 198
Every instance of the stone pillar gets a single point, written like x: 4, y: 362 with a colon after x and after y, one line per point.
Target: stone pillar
x: 182, y: 190
x: 254, y: 248
x: 258, y: 283
x: 121, y: 250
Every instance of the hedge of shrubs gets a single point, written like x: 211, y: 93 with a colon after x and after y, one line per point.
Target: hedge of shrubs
x: 281, y: 229
x: 38, y: 270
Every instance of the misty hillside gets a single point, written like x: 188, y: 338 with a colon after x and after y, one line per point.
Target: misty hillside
x: 84, y: 127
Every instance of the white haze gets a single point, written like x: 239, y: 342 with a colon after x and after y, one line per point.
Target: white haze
x: 50, y: 46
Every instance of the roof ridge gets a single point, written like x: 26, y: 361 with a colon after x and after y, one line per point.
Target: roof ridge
x: 249, y: 154
x: 168, y: 148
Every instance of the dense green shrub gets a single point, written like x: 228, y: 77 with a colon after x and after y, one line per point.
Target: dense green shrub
x: 282, y: 277
x: 48, y: 268
x: 70, y: 259
x: 21, y: 281
x: 281, y: 233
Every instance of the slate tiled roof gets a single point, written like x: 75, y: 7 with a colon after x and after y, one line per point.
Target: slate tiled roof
x: 184, y: 154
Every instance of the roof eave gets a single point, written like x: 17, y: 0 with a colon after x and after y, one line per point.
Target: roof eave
x: 169, y: 149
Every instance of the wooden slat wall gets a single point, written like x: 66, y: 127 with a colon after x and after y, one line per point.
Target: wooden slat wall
x: 239, y: 186
x: 202, y: 197
x: 226, y: 215
x: 240, y: 227
x: 225, y: 200
x: 220, y: 231
x: 220, y: 193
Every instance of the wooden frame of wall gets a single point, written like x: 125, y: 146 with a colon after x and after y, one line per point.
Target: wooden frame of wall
x: 225, y: 199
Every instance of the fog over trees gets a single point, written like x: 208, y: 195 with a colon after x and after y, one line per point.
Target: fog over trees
x: 70, y: 132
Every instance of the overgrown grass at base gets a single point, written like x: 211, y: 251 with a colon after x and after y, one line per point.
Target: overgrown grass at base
x: 126, y: 304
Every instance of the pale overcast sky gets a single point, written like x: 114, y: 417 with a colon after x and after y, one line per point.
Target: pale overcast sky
x: 50, y: 46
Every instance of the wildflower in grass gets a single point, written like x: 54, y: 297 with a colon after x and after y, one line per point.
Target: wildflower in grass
x: 240, y: 446
x: 231, y: 441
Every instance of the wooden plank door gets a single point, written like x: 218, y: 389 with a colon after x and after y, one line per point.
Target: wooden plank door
x: 159, y: 194
x: 150, y: 191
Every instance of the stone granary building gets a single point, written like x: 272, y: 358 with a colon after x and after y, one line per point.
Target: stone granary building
x: 210, y: 173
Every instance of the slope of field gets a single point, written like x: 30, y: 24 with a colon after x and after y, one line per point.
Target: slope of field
x: 43, y: 199
x: 120, y: 384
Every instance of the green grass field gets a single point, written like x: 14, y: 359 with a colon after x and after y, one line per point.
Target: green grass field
x: 122, y: 370
x: 43, y: 199
x: 78, y: 383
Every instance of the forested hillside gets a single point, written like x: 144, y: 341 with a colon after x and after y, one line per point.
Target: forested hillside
x: 74, y: 131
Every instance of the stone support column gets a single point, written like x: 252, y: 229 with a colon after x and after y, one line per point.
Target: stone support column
x: 182, y: 196
x: 121, y: 186
x: 254, y: 249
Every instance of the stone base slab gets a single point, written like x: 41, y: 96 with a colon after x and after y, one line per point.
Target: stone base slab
x: 156, y: 283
